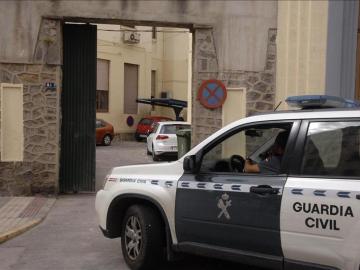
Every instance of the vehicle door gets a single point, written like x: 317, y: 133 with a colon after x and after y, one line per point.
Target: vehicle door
x: 320, y: 212
x: 221, y: 209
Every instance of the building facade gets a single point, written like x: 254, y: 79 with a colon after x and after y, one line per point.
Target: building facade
x: 160, y: 59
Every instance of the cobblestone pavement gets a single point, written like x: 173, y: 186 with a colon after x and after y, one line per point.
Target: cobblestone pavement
x: 69, y: 238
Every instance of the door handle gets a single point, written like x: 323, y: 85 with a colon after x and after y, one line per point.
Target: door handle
x: 264, y: 189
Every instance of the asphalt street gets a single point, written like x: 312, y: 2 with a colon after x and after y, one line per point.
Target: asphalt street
x: 69, y: 238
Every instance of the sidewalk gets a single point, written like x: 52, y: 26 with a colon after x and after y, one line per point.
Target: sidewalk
x: 19, y: 214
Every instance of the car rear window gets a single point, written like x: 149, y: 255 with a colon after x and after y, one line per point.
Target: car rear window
x: 172, y: 129
x: 146, y: 121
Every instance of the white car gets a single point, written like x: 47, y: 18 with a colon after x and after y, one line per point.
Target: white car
x: 163, y: 140
x: 298, y: 209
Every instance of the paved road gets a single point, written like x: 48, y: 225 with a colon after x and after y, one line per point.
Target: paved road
x: 69, y: 238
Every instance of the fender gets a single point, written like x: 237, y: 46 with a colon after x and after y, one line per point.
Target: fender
x: 133, y: 197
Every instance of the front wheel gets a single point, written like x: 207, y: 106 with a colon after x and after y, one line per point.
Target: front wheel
x: 142, y: 238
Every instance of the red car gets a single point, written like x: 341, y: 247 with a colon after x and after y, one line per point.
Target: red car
x: 145, y: 126
x: 104, y: 132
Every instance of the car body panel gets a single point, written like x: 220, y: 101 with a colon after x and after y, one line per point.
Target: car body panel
x: 157, y: 181
x: 338, y: 243
x: 168, y: 145
x: 336, y: 247
x: 103, y: 128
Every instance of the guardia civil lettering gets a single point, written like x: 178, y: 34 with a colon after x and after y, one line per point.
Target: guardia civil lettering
x: 323, y: 210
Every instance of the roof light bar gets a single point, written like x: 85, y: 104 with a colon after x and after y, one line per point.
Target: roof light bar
x: 321, y: 102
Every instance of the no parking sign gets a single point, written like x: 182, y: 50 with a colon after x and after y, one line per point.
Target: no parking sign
x: 212, y: 94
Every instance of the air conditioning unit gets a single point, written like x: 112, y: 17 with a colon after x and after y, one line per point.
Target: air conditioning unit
x: 131, y: 37
x: 165, y: 94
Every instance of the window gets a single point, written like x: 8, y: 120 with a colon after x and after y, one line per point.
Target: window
x: 131, y: 75
x: 153, y: 83
x: 102, y: 86
x: 332, y: 148
x: 256, y: 143
x: 146, y: 121
x: 100, y: 124
x: 172, y: 129
x: 154, y: 127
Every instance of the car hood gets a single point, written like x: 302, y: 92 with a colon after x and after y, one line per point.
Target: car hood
x: 168, y: 171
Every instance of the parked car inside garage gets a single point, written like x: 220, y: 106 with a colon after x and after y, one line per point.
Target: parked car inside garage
x: 104, y: 132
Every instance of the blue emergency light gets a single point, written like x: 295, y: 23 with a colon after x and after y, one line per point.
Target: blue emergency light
x: 321, y: 102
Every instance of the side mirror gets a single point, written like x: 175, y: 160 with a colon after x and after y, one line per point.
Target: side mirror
x: 189, y: 164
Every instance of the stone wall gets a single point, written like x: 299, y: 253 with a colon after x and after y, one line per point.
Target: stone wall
x: 260, y: 86
x: 38, y: 173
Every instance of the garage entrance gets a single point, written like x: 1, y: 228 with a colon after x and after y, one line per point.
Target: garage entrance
x: 77, y: 159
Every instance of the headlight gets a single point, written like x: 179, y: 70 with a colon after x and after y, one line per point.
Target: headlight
x: 109, y: 178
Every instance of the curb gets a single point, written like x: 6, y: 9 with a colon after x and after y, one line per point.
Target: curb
x: 21, y: 229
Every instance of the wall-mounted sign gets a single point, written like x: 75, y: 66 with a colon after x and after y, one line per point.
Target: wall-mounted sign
x: 212, y: 94
x: 130, y: 121
x: 50, y: 85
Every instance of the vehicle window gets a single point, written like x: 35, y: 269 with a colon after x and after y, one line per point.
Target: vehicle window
x: 172, y: 129
x: 146, y: 121
x: 154, y: 127
x: 260, y: 144
x: 98, y: 124
x: 332, y: 148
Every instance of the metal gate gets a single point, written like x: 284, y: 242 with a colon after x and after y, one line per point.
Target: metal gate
x: 77, y: 159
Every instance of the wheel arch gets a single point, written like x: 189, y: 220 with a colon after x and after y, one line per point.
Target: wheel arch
x: 117, y: 210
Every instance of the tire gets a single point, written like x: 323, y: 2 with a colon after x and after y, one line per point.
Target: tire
x: 106, y: 140
x: 144, y: 250
x: 137, y: 137
x: 154, y: 156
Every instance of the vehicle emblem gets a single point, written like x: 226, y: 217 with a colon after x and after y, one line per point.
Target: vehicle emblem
x: 223, y: 204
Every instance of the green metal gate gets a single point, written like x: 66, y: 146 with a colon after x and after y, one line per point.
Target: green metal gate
x: 77, y: 159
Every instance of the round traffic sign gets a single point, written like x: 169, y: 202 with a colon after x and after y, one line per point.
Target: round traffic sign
x: 212, y: 94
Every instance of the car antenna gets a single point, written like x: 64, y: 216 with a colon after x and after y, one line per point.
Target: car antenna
x: 277, y: 106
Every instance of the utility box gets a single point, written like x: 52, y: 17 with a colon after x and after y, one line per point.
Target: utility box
x: 183, y: 141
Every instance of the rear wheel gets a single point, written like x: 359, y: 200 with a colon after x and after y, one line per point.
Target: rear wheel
x: 107, y: 140
x: 142, y: 238
x: 154, y: 156
x: 137, y: 137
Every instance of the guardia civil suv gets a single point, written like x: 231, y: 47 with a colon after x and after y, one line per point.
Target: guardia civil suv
x: 278, y: 190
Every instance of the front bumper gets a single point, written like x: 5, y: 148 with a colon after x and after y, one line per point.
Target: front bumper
x: 105, y: 232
